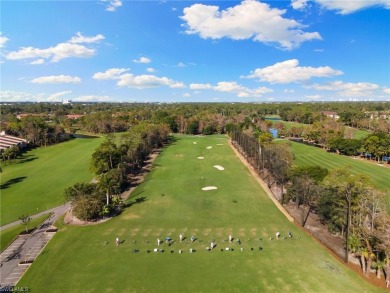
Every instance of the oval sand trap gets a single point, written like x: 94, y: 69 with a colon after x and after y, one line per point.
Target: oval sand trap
x: 200, y: 158
x: 209, y: 147
x: 195, y: 142
x: 209, y: 188
x: 219, y: 167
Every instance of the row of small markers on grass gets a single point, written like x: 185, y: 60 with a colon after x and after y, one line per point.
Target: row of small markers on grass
x: 191, y: 250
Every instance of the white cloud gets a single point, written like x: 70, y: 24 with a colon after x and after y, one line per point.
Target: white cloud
x: 112, y: 5
x: 299, y: 4
x: 136, y: 81
x: 186, y: 95
x: 313, y: 97
x: 56, y: 53
x: 248, y: 20
x: 287, y: 91
x: 347, y: 88
x: 57, y: 79
x: 93, y: 98
x: 200, y: 86
x: 3, y: 40
x: 347, y: 7
x: 146, y: 81
x: 386, y: 91
x: 79, y: 38
x: 38, y: 61
x: 14, y: 96
x: 232, y: 87
x: 113, y: 73
x: 150, y: 69
x: 142, y: 60
x: 289, y: 71
x: 58, y: 96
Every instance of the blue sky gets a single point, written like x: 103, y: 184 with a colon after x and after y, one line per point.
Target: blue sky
x: 195, y: 51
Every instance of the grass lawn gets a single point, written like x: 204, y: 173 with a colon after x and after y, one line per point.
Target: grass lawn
x: 36, y: 182
x: 8, y: 235
x: 358, y: 133
x: 309, y: 156
x: 171, y: 202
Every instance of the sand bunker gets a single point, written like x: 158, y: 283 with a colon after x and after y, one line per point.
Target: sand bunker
x: 200, y: 158
x: 209, y: 147
x: 195, y: 142
x: 209, y: 188
x: 219, y: 167
x: 219, y: 143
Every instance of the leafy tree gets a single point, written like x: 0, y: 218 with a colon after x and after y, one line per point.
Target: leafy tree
x: 87, y: 207
x: 265, y: 138
x: 79, y: 190
x: 106, y: 157
x: 25, y: 220
x: 348, y: 187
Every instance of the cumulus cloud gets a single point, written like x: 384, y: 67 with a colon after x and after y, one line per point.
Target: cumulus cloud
x: 93, y: 98
x: 232, y: 87
x: 248, y: 20
x: 147, y: 81
x: 136, y: 81
x: 200, y: 86
x: 3, y: 40
x: 347, y: 88
x: 342, y: 6
x: 113, y: 73
x: 299, y: 4
x: 14, y: 96
x: 150, y: 69
x: 79, y: 38
x: 112, y: 5
x: 313, y: 97
x: 142, y: 60
x: 57, y: 79
x: 56, y: 97
x: 289, y: 71
x: 386, y: 91
x: 56, y: 53
x: 38, y: 61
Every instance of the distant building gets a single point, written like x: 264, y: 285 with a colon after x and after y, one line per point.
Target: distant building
x: 74, y: 116
x: 7, y: 141
x: 22, y: 115
x: 330, y: 114
x: 66, y: 102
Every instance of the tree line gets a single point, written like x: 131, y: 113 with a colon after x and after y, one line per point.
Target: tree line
x: 348, y: 204
x: 114, y: 162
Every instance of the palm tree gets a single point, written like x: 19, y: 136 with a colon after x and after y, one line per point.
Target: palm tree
x: 108, y: 182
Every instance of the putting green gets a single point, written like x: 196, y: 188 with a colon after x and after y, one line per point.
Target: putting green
x: 171, y: 202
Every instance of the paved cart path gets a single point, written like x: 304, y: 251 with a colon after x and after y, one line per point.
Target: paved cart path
x: 26, y: 248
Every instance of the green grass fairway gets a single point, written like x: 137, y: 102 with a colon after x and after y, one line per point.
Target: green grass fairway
x: 171, y: 202
x: 310, y: 156
x: 359, y: 134
x: 36, y: 182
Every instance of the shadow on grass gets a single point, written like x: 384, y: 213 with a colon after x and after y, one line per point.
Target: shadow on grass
x: 135, y: 201
x: 129, y: 204
x: 27, y: 159
x: 12, y: 181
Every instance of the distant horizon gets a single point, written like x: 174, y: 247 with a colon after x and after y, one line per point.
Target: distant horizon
x: 246, y: 51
